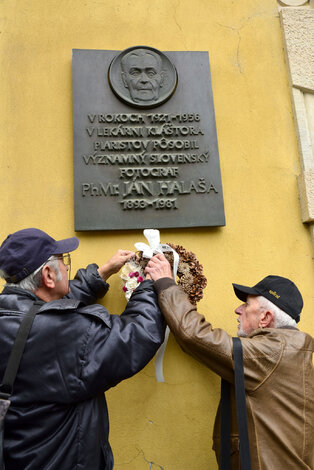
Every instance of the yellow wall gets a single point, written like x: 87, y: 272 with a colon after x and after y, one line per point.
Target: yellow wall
x: 169, y: 424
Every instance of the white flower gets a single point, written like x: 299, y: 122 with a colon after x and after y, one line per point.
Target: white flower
x: 130, y: 274
x: 132, y: 284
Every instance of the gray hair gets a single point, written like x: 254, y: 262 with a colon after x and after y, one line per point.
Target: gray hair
x: 140, y: 53
x: 281, y: 318
x: 34, y: 280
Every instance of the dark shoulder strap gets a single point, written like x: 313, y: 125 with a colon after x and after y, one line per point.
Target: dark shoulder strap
x: 241, y: 404
x: 17, y: 351
x: 225, y: 426
x: 225, y: 414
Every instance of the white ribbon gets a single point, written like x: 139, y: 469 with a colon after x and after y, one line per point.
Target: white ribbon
x: 154, y: 246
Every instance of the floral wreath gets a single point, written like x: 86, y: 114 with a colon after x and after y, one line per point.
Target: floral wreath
x: 189, y: 270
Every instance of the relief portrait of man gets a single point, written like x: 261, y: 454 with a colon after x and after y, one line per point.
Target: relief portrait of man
x: 142, y: 75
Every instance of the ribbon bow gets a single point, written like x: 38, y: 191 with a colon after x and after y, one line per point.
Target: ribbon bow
x: 154, y: 246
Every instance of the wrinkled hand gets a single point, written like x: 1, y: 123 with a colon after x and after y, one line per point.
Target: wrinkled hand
x: 114, y: 264
x: 158, y: 267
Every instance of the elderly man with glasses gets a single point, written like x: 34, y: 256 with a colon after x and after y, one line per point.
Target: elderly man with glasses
x: 74, y: 352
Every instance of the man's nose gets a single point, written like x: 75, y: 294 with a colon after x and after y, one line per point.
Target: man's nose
x: 238, y: 310
x: 143, y: 77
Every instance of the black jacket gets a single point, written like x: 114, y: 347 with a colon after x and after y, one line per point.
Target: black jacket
x: 58, y: 416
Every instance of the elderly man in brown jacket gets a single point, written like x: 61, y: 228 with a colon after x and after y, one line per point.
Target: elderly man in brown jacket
x: 278, y: 369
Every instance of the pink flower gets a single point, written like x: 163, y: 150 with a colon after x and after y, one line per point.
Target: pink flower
x: 140, y: 279
x: 133, y: 274
x: 125, y: 289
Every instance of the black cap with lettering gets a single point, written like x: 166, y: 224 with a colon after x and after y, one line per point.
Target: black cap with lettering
x: 279, y: 290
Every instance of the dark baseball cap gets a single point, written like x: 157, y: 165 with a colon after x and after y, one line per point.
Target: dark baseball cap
x: 24, y: 251
x: 279, y: 290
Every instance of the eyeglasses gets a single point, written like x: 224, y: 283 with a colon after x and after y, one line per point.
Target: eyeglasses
x: 66, y: 259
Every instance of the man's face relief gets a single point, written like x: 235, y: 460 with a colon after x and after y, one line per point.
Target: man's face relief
x: 143, y: 77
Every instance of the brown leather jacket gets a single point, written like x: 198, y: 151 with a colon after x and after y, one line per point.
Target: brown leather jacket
x: 279, y: 382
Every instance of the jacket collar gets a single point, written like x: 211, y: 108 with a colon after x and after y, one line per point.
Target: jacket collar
x: 265, y: 331
x: 288, y: 328
x: 18, y: 291
x: 15, y: 298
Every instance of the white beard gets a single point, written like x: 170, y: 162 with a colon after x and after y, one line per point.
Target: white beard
x: 241, y: 333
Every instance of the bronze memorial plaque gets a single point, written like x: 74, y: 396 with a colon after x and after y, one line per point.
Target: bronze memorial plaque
x: 145, y: 141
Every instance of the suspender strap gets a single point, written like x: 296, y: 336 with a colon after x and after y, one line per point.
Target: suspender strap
x: 241, y: 404
x: 17, y: 351
x: 225, y: 426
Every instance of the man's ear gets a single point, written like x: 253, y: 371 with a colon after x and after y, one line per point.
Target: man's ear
x: 267, y: 319
x: 48, y: 277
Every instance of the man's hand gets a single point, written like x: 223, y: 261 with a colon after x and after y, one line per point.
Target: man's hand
x: 115, y: 263
x: 158, y: 267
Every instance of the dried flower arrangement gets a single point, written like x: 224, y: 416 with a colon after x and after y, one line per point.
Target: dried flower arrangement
x: 190, y: 273
x: 132, y: 275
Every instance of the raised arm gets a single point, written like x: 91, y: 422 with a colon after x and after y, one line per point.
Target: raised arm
x: 90, y: 284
